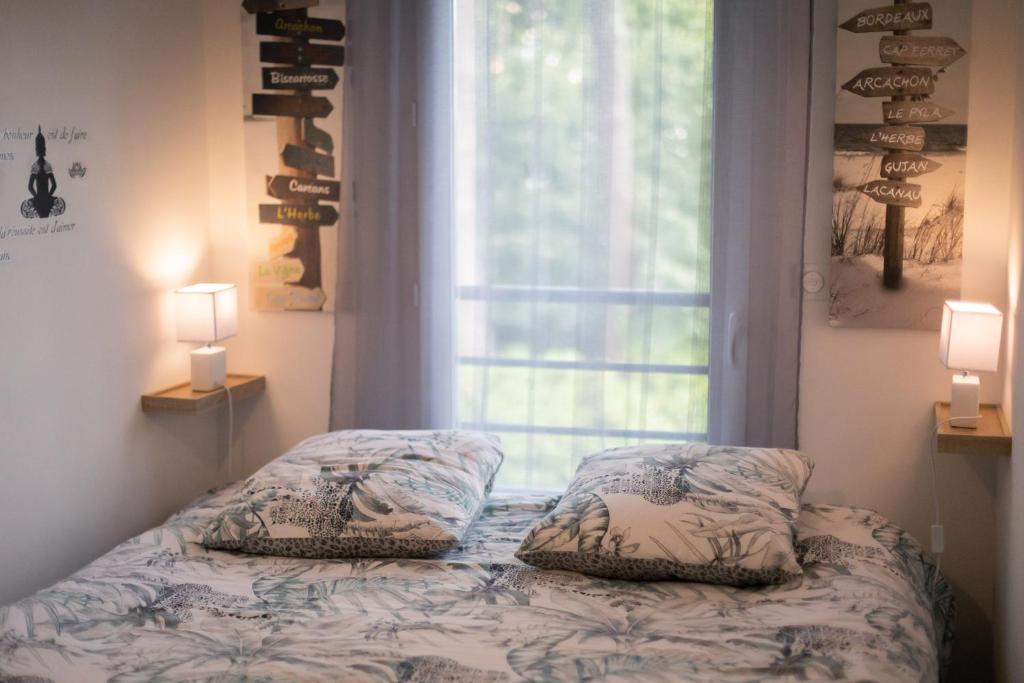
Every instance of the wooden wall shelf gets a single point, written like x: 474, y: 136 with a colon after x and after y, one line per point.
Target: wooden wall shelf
x: 181, y: 398
x: 992, y: 437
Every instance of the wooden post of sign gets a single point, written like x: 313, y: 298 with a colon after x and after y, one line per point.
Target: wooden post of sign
x: 307, y: 236
x: 892, y: 248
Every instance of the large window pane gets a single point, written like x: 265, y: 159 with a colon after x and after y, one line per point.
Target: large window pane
x: 582, y: 237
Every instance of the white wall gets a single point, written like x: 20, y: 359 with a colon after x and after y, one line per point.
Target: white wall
x: 866, y: 395
x: 1010, y: 473
x: 85, y: 318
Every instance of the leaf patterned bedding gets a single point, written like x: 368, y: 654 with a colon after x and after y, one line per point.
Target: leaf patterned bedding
x: 160, y: 607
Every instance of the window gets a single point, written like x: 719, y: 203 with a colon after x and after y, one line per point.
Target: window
x: 583, y: 240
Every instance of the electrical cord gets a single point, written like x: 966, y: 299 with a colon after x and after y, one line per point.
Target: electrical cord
x: 938, y: 536
x: 231, y: 433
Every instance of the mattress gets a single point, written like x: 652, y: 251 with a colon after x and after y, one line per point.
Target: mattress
x: 159, y: 607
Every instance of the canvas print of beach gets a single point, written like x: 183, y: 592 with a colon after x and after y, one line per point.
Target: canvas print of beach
x: 898, y: 165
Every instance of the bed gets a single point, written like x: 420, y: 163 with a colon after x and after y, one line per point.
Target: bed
x: 160, y: 607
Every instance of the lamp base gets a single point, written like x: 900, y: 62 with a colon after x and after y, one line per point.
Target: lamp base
x: 965, y: 402
x: 209, y: 368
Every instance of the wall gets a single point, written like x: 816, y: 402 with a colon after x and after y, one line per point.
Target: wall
x: 1010, y: 473
x: 85, y: 317
x: 871, y: 438
x: 86, y: 320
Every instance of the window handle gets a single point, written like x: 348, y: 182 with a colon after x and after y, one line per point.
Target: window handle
x: 733, y: 336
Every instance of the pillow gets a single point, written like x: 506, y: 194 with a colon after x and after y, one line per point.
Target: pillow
x: 362, y: 494
x: 713, y: 514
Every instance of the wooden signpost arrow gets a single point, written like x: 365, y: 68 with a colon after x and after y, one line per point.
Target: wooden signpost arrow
x: 907, y: 165
x: 320, y: 139
x: 300, y: 106
x: 301, y: 54
x: 299, y: 78
x: 910, y: 138
x: 305, y: 160
x: 277, y: 270
x: 914, y: 112
x: 296, y: 25
x: 285, y: 298
x: 900, y: 17
x: 887, y: 81
x: 939, y: 51
x: 298, y: 214
x: 254, y: 6
x: 893, y: 193
x: 303, y: 189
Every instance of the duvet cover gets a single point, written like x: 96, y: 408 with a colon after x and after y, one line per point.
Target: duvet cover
x: 160, y: 607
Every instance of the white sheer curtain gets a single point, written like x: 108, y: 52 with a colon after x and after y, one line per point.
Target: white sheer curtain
x: 582, y: 191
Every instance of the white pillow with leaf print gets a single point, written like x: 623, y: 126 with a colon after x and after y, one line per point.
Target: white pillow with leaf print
x: 362, y: 493
x: 713, y: 514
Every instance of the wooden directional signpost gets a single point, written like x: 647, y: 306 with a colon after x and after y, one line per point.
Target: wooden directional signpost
x: 299, y: 78
x: 307, y: 160
x: 907, y: 83
x: 299, y: 214
x: 298, y: 25
x: 914, y: 112
x: 294, y: 66
x: 897, y: 137
x: 940, y: 52
x: 893, y: 193
x: 303, y: 189
x: 887, y: 81
x: 902, y: 16
x: 301, y: 54
x: 320, y: 139
x: 253, y: 6
x: 291, y: 105
x: 907, y: 165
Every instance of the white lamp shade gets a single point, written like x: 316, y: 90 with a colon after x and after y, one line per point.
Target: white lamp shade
x: 206, y: 312
x: 970, y: 336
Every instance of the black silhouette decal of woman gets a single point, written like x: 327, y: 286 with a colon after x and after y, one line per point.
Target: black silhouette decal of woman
x: 42, y: 185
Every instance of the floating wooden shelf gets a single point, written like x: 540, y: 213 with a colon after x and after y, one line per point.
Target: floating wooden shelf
x: 181, y: 398
x: 992, y: 436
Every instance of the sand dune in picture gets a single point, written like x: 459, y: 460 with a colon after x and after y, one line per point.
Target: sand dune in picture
x: 933, y: 246
x: 859, y: 299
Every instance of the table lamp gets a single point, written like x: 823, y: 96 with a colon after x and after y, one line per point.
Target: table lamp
x: 206, y: 313
x: 970, y: 337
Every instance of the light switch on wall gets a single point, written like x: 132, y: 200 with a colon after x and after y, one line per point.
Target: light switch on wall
x: 814, y: 283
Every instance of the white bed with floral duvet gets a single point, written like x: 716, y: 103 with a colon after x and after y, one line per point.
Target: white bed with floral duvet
x: 161, y: 607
